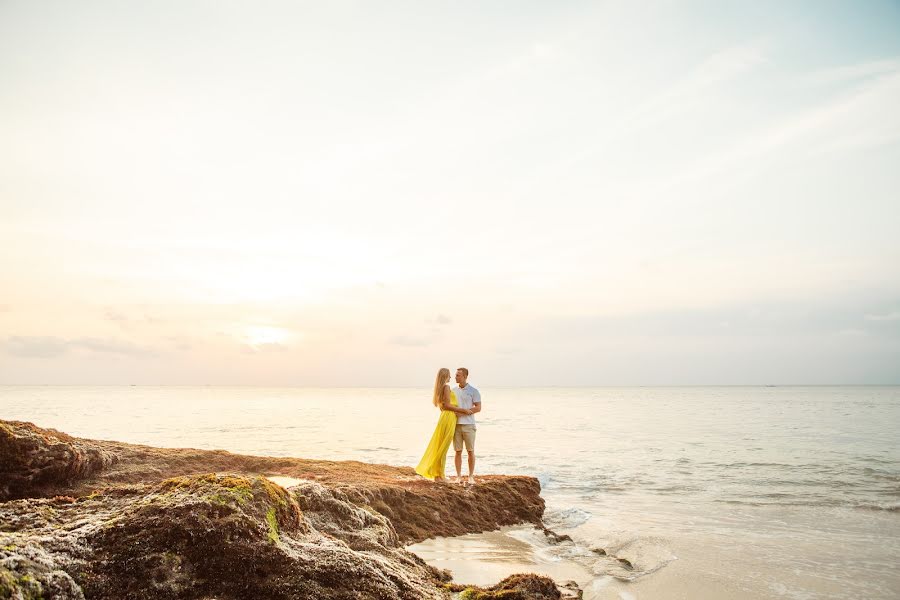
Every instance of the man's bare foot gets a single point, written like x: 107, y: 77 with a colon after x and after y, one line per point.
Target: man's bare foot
x: 471, y: 480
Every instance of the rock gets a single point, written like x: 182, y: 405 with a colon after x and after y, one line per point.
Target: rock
x: 554, y: 537
x: 214, y: 535
x: 28, y: 571
x: 426, y: 510
x: 331, y: 512
x: 569, y: 590
x: 36, y: 460
x: 528, y: 586
x: 108, y: 520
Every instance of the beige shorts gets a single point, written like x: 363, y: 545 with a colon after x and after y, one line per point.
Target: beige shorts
x: 464, y: 433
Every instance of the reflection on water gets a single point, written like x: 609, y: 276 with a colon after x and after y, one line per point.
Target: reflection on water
x: 285, y: 482
x: 759, y: 492
x: 486, y: 558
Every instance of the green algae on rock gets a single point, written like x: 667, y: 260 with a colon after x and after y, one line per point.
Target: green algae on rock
x: 524, y: 586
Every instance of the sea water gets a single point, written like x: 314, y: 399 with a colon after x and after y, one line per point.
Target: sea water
x: 682, y: 492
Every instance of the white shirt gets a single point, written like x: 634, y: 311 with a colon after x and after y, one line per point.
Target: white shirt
x: 466, y: 397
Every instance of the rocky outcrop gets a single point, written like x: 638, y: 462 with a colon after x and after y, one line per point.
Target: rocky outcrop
x: 204, y: 536
x: 34, y: 461
x: 123, y: 521
x: 527, y: 586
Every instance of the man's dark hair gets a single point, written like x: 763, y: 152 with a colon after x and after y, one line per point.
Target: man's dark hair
x: 465, y: 371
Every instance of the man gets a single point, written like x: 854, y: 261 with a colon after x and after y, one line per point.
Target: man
x: 469, y: 398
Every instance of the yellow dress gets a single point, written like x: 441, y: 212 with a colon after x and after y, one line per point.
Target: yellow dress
x: 432, y: 463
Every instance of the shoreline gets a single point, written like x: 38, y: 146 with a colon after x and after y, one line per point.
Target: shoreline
x: 86, y: 518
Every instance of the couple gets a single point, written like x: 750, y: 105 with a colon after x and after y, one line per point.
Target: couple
x: 455, y: 424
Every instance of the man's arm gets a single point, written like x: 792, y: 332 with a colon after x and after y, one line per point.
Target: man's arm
x: 445, y: 404
x: 476, y: 403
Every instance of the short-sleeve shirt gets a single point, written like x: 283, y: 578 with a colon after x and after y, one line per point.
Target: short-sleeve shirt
x: 466, y: 397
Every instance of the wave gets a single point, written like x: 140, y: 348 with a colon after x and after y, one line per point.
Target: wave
x: 638, y: 557
x: 881, y: 474
x: 626, y: 560
x: 889, y: 507
x: 566, y: 518
x: 892, y: 507
x: 759, y: 464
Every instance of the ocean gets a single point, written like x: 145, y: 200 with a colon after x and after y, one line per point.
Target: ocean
x: 666, y: 492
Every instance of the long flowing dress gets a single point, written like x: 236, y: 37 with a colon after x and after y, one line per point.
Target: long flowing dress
x: 435, y: 457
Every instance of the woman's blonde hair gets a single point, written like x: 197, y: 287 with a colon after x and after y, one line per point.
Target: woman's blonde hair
x: 443, y: 377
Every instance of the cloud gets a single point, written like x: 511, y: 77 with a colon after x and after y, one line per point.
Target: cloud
x: 403, y: 340
x: 845, y: 73
x: 851, y: 121
x: 35, y: 347
x: 50, y: 347
x: 179, y: 342
x: 441, y: 319
x: 264, y: 347
x: 693, y: 89
x: 785, y: 318
x: 124, y: 321
x: 891, y: 316
x: 687, y: 93
x: 114, y: 315
x: 852, y: 332
x: 110, y: 346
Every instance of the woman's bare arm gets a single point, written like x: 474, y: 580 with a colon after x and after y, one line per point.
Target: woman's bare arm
x: 445, y: 403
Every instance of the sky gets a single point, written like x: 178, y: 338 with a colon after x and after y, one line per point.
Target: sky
x: 359, y: 193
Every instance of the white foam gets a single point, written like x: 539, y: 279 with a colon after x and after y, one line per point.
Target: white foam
x: 566, y: 518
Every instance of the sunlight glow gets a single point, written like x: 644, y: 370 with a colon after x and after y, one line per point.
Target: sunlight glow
x: 257, y: 336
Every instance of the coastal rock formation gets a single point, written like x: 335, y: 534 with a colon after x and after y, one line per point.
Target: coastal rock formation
x: 527, y: 586
x: 34, y: 461
x: 201, y: 536
x: 97, y: 519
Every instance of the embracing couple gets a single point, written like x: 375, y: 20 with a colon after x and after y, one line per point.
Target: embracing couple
x: 455, y: 424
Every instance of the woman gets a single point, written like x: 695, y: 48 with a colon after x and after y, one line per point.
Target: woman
x: 432, y: 464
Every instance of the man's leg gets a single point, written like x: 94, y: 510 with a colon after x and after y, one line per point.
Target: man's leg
x: 469, y: 438
x: 458, y: 461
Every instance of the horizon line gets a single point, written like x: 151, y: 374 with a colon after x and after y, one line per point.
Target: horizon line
x: 299, y: 386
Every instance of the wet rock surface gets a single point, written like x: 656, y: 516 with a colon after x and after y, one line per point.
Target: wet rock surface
x: 100, y: 519
x: 525, y: 586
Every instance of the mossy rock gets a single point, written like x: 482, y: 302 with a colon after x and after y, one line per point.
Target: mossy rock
x: 527, y: 586
x: 33, y: 575
x: 38, y: 460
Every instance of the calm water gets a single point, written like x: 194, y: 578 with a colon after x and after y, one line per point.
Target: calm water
x: 737, y: 492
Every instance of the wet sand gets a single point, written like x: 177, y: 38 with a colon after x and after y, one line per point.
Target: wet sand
x: 486, y: 558
x: 739, y: 574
